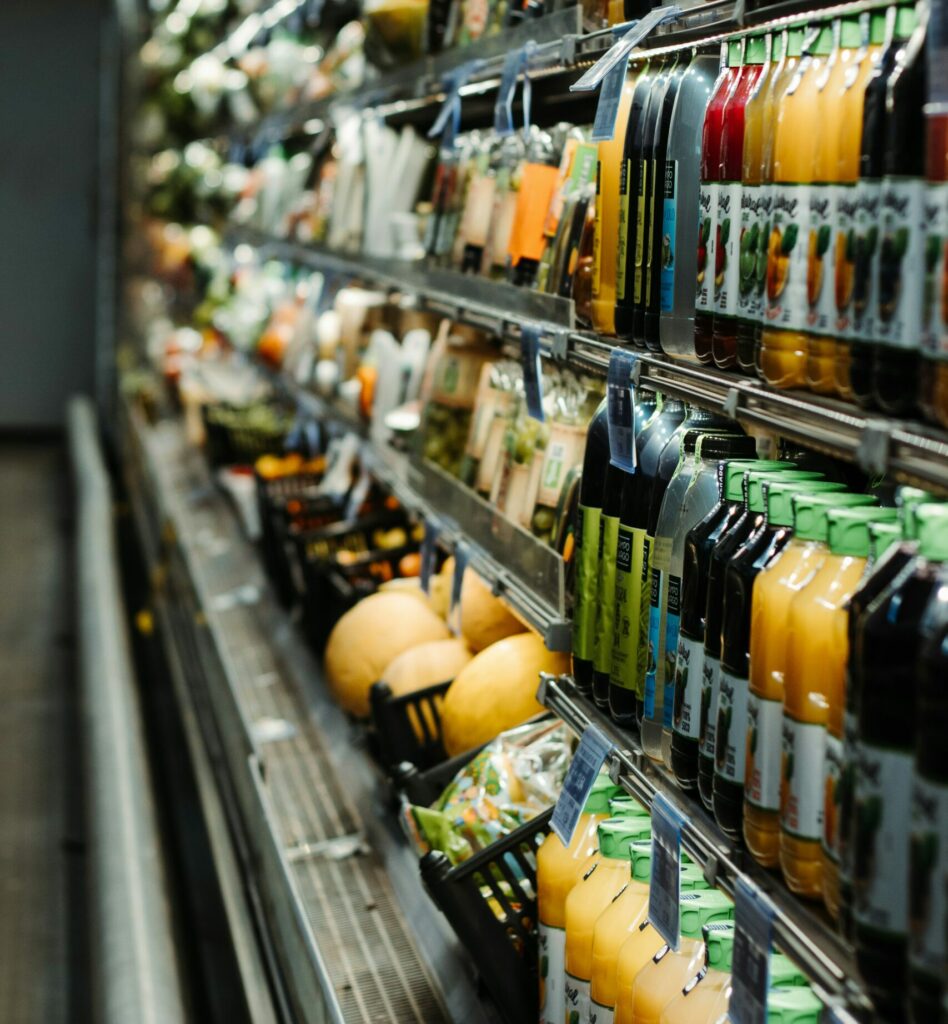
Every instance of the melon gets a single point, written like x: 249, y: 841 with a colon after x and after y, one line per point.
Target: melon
x: 368, y: 638
x: 496, y: 690
x: 485, y: 619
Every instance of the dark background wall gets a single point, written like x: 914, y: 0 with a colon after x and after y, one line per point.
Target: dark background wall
x: 49, y: 86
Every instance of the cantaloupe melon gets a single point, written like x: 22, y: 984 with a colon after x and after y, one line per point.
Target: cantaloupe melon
x: 485, y: 619
x: 437, y: 662
x: 368, y: 637
x: 496, y: 690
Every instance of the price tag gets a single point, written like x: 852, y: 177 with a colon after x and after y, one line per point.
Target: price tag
x: 429, y: 548
x: 664, y: 891
x: 515, y: 64
x: 589, y: 757
x: 631, y: 35
x: 358, y: 494
x: 532, y: 371
x: 753, y: 937
x: 620, y: 410
x: 462, y: 555
x: 448, y: 122
x: 607, y: 109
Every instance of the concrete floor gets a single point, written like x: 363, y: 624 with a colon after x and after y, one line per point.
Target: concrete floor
x: 41, y: 848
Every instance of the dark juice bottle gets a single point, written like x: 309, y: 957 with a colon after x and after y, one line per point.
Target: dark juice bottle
x: 886, y: 727
x: 933, y: 374
x: 711, y: 136
x: 587, y: 538
x: 691, y: 716
x: 727, y: 279
x: 899, y: 315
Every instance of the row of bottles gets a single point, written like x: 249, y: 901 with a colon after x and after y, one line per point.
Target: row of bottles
x: 601, y: 960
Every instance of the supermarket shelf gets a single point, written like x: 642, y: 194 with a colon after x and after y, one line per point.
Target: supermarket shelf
x: 801, y: 930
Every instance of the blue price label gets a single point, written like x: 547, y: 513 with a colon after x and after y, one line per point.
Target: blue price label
x: 462, y: 556
x: 429, y: 549
x: 589, y: 757
x: 664, y: 891
x: 753, y: 936
x: 503, y: 108
x: 620, y: 410
x: 532, y: 371
x: 358, y: 494
x: 607, y: 109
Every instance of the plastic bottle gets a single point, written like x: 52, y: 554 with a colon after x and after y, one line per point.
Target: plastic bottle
x: 796, y: 1005
x: 704, y: 999
x: 886, y: 728
x: 559, y: 868
x: 933, y: 376
x: 814, y: 679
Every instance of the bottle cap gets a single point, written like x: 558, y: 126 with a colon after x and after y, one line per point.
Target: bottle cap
x: 616, y: 835
x: 823, y: 44
x: 779, y: 496
x: 882, y: 536
x: 640, y: 855
x: 809, y: 512
x: 621, y: 803
x: 755, y: 52
x: 776, y: 46
x: 699, y: 909
x: 734, y: 474
x: 848, y: 529
x: 689, y: 440
x: 692, y: 878
x: 718, y: 945
x: 905, y: 21
x: 735, y: 53
x: 850, y: 34
x: 932, y: 532
x: 755, y: 479
x: 877, y: 28
x: 793, y: 1006
x: 603, y: 790
x: 725, y: 446
x: 784, y: 972
x: 795, y: 42
x: 908, y: 499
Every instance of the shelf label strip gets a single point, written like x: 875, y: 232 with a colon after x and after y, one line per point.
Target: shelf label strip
x: 592, y: 751
x: 665, y: 884
x: 753, y: 936
x: 448, y: 122
x: 620, y: 410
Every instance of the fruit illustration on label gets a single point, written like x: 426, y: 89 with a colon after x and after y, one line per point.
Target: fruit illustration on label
x: 923, y: 857
x: 845, y: 257
x: 932, y: 247
x: 786, y: 772
x: 705, y: 711
x: 865, y: 247
x: 778, y: 259
x: 748, y: 258
x: 721, y: 237
x: 819, y: 244
x: 704, y: 236
x: 830, y: 806
x: 667, y: 258
x: 894, y: 247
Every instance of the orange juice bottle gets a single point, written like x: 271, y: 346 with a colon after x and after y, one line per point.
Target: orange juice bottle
x: 704, y: 999
x: 607, y: 877
x: 642, y: 997
x: 783, y: 350
x: 815, y: 671
x: 559, y: 868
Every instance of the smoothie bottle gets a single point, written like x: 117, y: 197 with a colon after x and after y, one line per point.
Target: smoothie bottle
x: 727, y: 275
x: 704, y: 999
x: 814, y: 675
x: 559, y: 868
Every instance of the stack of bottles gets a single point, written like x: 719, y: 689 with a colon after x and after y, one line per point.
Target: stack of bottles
x: 601, y: 960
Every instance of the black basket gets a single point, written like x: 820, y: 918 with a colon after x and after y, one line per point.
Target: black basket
x: 228, y: 445
x: 423, y: 788
x: 501, y: 880
x: 408, y: 728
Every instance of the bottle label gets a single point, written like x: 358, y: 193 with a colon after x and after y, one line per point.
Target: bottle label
x: 625, y: 174
x: 832, y: 795
x: 669, y: 216
x: 564, y: 450
x: 670, y: 650
x: 764, y: 721
x: 686, y: 719
x: 844, y: 256
x: 727, y: 271
x: 752, y: 250
x: 847, y: 783
x: 599, y: 1014
x: 801, y: 779
x: 821, y: 258
x: 625, y: 632
x: 882, y: 813
x: 865, y: 264
x: 597, y: 234
x: 787, y: 257
x: 587, y: 581
x: 577, y: 1000
x: 730, y: 736
x: 650, y: 241
x: 901, y: 256
x: 645, y: 581
x: 655, y: 673
x: 602, y: 654
x: 639, y: 287
x: 935, y: 297
x: 928, y: 869
x: 710, y: 691
x: 707, y: 229
x: 552, y: 949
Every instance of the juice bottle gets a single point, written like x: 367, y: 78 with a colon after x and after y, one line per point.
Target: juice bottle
x: 824, y: 205
x: 813, y: 679
x: 900, y: 22
x: 933, y: 377
x: 680, y: 228
x: 704, y: 999
x: 928, y: 857
x: 711, y: 136
x: 645, y: 988
x: 722, y: 552
x: 608, y: 876
x: 755, y: 209
x: 727, y: 270
x: 586, y: 536
x: 607, y: 218
x: 886, y: 725
x: 901, y: 257
x: 794, y: 1005
x: 783, y: 350
x: 848, y: 149
x: 559, y: 868
x: 735, y: 733
x: 687, y: 728
x: 774, y: 589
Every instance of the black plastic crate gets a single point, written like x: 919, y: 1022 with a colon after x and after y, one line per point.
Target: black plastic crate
x: 491, y: 903
x: 407, y: 728
x: 227, y: 444
x: 423, y: 787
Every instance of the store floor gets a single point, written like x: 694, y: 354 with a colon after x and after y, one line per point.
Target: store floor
x: 41, y: 852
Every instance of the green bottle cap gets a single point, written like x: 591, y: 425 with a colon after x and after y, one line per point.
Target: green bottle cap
x: 882, y: 536
x: 755, y: 479
x: 640, y: 854
x: 809, y: 512
x: 616, y: 835
x: 823, y: 43
x: 905, y: 21
x: 908, y: 499
x: 784, y: 972
x: 718, y: 945
x: 734, y: 474
x: 735, y: 53
x: 848, y: 529
x: 779, y: 496
x: 793, y: 1006
x: 932, y: 532
x: 699, y: 909
x: 776, y: 46
x: 602, y: 792
x: 795, y: 41
x: 850, y: 33
x: 755, y: 52
x: 877, y: 28
x: 692, y: 878
x: 622, y: 803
